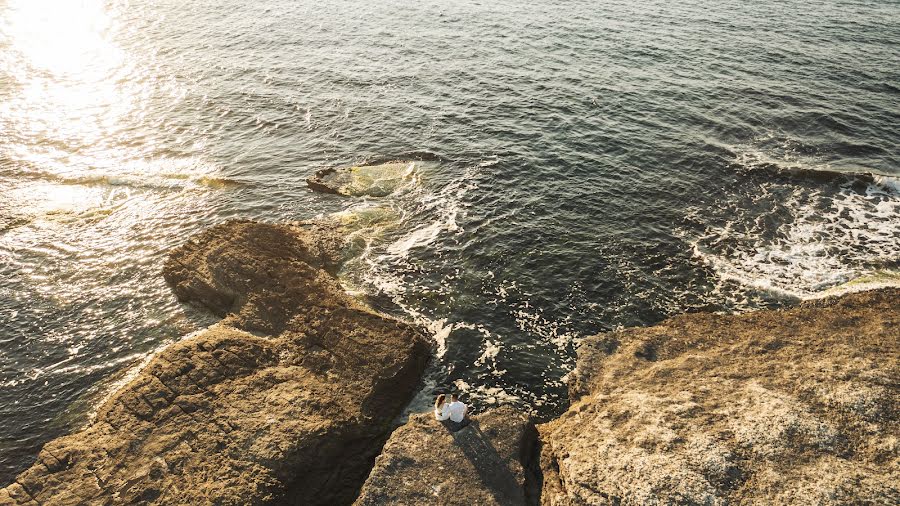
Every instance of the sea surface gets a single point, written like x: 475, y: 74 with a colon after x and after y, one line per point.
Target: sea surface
x: 577, y: 166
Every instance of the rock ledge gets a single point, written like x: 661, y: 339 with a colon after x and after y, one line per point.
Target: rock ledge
x: 797, y: 406
x: 287, y: 400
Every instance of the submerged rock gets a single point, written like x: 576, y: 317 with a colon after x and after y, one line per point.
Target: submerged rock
x: 288, y: 399
x: 797, y: 406
x: 485, y: 463
x: 363, y: 180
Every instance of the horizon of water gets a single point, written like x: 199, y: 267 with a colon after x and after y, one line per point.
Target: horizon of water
x: 577, y: 168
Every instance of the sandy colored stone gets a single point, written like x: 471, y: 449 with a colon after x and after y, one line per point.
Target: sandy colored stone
x: 484, y: 463
x: 797, y: 406
x: 287, y: 400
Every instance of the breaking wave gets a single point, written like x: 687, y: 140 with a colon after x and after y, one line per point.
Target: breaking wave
x: 804, y: 232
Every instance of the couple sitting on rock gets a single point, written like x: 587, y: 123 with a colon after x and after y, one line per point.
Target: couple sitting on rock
x: 452, y: 413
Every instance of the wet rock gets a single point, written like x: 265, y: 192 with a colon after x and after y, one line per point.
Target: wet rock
x: 369, y: 180
x: 484, y: 463
x: 797, y: 406
x: 287, y: 400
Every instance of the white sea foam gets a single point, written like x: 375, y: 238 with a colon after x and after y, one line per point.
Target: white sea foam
x: 376, y: 268
x: 886, y: 183
x: 383, y: 267
x: 831, y: 236
x: 487, y: 396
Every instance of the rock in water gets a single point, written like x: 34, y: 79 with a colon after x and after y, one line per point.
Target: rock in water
x: 287, y: 400
x: 369, y: 180
x: 484, y: 463
x: 797, y: 406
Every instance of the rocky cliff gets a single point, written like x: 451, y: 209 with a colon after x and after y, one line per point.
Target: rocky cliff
x: 287, y: 400
x: 797, y: 406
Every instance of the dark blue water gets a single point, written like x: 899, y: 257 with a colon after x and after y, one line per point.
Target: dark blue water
x: 584, y: 166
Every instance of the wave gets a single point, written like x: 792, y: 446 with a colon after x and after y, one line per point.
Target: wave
x: 156, y: 182
x: 818, y: 172
x: 799, y: 231
x: 149, y: 179
x: 414, y: 156
x: 871, y: 281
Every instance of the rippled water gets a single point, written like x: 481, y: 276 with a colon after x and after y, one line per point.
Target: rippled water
x: 583, y: 166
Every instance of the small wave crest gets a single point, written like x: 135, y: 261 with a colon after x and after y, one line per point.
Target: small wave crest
x: 167, y: 174
x: 792, y: 163
x: 156, y: 182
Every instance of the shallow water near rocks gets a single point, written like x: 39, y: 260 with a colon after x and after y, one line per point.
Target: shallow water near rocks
x: 589, y: 166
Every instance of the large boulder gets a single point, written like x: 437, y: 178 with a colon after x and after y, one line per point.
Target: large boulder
x: 797, y: 406
x: 287, y: 400
x: 491, y: 461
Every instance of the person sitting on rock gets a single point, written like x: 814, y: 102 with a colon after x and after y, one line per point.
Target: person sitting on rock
x: 441, y: 408
x: 457, y: 413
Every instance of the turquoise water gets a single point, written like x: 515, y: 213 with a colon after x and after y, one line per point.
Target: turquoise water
x: 583, y: 166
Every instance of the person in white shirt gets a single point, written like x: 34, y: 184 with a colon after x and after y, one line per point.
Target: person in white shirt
x: 452, y: 413
x: 441, y: 408
x: 457, y: 411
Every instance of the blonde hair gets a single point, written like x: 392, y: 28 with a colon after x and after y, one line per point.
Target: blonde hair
x: 441, y: 399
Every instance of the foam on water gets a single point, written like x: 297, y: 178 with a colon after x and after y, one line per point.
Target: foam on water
x: 421, y: 216
x: 798, y: 238
x: 172, y: 174
x: 377, y: 266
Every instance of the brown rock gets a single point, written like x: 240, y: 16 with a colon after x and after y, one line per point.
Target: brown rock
x: 287, y: 400
x: 797, y: 406
x: 481, y: 464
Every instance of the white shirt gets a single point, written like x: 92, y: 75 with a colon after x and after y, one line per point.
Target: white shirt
x: 457, y: 411
x: 443, y: 413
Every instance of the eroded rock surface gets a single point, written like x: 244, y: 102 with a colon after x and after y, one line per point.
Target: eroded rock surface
x: 287, y: 400
x: 774, y: 407
x: 484, y: 463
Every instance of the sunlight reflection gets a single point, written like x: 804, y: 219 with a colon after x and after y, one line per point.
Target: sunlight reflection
x: 55, y: 198
x: 67, y: 93
x: 64, y: 37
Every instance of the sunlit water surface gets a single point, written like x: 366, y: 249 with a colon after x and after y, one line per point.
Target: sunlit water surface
x: 583, y: 166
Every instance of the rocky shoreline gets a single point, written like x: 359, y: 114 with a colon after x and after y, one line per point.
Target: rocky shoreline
x: 288, y: 399
x: 293, y: 399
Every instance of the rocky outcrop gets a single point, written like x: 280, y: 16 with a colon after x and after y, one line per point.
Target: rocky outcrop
x: 376, y: 180
x: 489, y: 462
x: 287, y: 400
x: 797, y: 406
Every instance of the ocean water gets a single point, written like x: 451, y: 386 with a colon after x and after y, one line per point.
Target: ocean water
x: 576, y: 166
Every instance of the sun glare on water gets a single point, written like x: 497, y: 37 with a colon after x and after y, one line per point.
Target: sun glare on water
x: 73, y: 100
x: 65, y: 38
x: 65, y: 70
x: 80, y: 169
